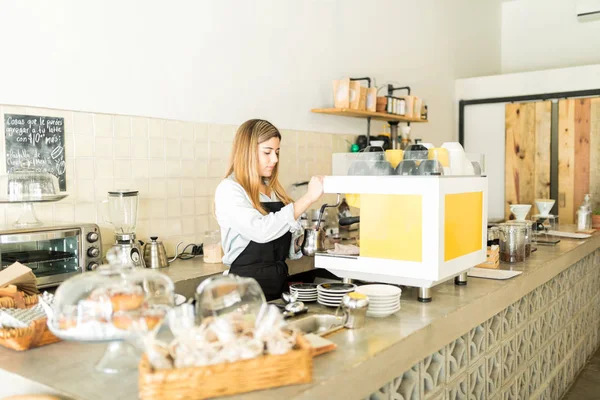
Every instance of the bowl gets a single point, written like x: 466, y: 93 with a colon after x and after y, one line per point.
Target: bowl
x: 520, y: 211
x: 544, y: 206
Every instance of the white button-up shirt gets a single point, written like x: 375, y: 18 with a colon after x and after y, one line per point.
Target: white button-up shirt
x: 241, y: 223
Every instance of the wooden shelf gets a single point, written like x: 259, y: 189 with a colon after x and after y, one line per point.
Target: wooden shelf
x: 346, y: 112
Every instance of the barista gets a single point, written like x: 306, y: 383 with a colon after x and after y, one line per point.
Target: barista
x: 259, y: 221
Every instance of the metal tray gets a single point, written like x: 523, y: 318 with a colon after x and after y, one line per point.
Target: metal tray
x: 319, y: 324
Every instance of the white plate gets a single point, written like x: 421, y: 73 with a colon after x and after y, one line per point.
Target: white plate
x: 379, y: 290
x: 379, y: 305
x: 383, y: 299
x: 335, y: 294
x: 337, y: 287
x: 384, y: 305
x: 304, y: 290
x: 304, y: 286
x: 338, y: 299
x: 338, y: 295
x: 381, y: 314
x: 381, y: 310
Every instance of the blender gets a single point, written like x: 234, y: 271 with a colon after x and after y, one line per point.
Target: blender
x: 121, y: 213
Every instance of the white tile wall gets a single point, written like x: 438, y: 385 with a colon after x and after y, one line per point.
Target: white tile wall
x: 175, y: 165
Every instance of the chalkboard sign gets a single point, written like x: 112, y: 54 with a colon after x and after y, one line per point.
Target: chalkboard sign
x: 36, y: 143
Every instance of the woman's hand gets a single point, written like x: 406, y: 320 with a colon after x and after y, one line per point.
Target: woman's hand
x: 315, y: 188
x: 314, y: 193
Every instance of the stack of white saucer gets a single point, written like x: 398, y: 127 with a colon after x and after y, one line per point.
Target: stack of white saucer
x: 384, y: 300
x: 331, y: 294
x: 307, y: 292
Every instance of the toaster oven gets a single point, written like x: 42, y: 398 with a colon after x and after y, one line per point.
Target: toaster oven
x: 53, y: 252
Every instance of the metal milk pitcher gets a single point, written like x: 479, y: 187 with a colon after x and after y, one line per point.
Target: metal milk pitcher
x: 314, y: 238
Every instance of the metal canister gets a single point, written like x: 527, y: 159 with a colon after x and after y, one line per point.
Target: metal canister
x: 354, y: 305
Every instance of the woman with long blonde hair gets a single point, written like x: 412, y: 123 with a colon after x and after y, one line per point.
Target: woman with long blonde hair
x: 256, y: 216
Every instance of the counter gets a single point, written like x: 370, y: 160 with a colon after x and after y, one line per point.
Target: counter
x: 187, y: 274
x: 525, y: 337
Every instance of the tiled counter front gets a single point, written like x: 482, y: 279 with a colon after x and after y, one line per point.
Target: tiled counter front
x: 531, y: 350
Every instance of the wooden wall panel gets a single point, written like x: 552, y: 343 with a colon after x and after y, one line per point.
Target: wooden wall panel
x: 595, y: 152
x: 519, y: 170
x: 566, y: 155
x: 581, y: 183
x: 543, y: 136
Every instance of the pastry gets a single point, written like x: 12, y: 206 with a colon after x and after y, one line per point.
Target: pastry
x: 126, y: 300
x: 67, y: 322
x: 122, y: 320
x: 152, y: 321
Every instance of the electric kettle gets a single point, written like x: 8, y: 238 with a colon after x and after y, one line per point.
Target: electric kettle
x: 155, y: 255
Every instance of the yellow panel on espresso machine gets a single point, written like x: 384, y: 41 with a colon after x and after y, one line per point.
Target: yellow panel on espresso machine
x: 463, y: 213
x: 391, y: 226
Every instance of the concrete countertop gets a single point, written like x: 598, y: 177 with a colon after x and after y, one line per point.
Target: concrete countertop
x: 187, y: 274
x: 367, y: 357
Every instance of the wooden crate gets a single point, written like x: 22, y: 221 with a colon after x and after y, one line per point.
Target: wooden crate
x: 492, y: 258
x: 35, y: 335
x: 197, y: 383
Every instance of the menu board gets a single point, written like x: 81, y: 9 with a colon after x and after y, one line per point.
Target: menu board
x: 36, y: 143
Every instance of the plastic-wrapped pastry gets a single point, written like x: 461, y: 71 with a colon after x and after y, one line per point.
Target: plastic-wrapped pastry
x: 228, y: 338
x: 158, y: 354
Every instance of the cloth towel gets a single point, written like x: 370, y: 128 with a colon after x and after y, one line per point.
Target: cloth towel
x: 345, y: 249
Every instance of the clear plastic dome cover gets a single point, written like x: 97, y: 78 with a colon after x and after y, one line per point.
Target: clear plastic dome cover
x: 107, y: 303
x: 229, y: 294
x: 26, y: 185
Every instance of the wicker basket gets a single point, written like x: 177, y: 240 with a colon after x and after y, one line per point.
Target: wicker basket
x: 9, y: 302
x: 35, y: 335
x: 196, y: 383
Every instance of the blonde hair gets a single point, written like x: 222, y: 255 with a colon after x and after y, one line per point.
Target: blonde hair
x: 243, y: 162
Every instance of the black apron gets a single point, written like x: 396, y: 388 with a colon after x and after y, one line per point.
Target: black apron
x: 265, y: 262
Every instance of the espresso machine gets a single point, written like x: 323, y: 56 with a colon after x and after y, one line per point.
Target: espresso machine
x: 121, y: 213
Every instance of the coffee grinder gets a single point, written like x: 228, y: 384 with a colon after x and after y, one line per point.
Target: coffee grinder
x: 121, y: 213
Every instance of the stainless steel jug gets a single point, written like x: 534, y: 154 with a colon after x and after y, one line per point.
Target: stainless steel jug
x: 155, y: 255
x: 314, y: 238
